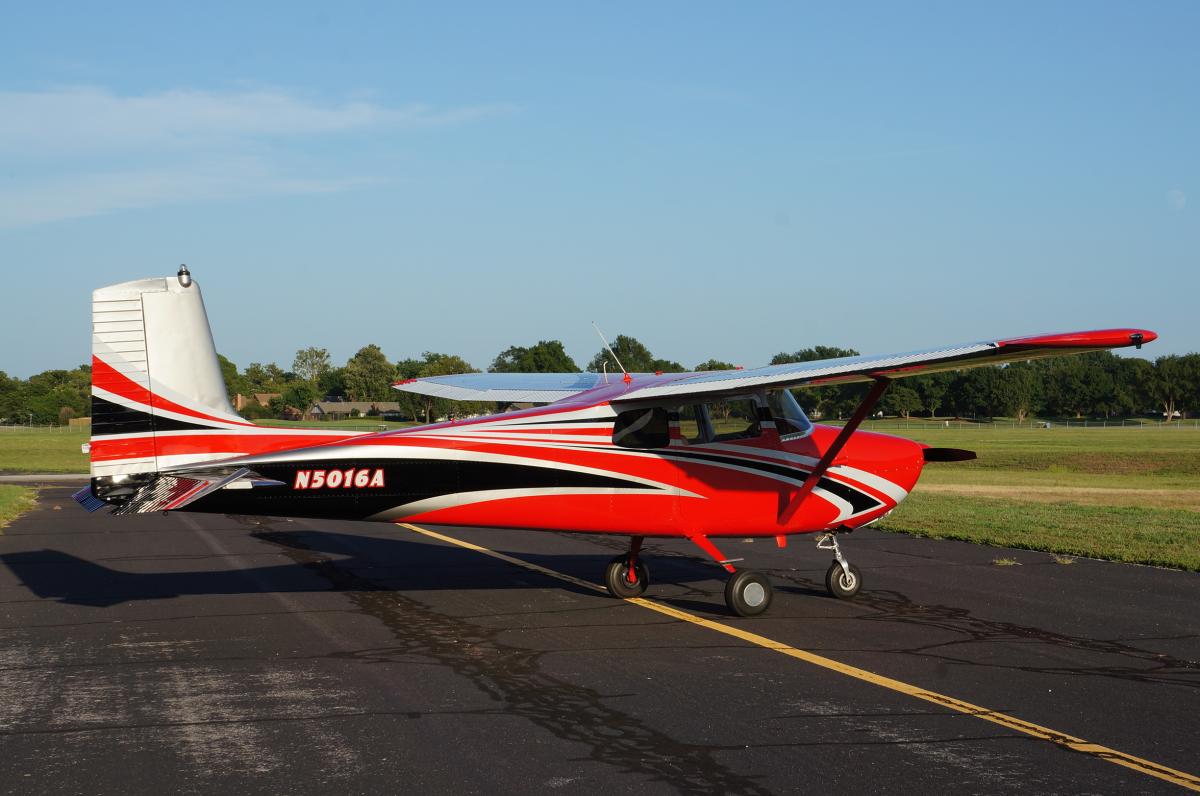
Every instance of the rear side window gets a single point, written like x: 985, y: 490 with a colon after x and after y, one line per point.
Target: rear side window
x: 642, y: 428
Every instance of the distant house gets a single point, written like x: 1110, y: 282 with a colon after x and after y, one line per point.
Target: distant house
x: 263, y: 399
x: 342, y: 410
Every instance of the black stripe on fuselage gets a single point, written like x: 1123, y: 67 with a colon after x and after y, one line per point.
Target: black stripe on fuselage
x: 608, y: 421
x: 113, y: 418
x: 405, y: 481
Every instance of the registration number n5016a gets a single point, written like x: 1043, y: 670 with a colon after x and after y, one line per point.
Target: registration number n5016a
x: 350, y: 478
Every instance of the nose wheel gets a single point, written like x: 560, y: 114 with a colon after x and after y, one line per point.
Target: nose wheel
x: 843, y: 579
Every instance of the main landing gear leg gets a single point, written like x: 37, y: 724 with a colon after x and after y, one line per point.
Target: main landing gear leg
x: 843, y: 580
x: 626, y: 575
x: 747, y: 593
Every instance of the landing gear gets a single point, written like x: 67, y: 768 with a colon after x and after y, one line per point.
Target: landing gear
x: 843, y: 580
x: 841, y: 583
x: 626, y: 575
x: 748, y: 593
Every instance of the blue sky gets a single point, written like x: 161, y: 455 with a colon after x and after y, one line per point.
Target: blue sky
x: 718, y: 180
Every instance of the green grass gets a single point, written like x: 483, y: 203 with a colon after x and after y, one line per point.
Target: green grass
x: 15, y: 501
x: 1147, y: 458
x: 1133, y: 534
x: 42, y: 451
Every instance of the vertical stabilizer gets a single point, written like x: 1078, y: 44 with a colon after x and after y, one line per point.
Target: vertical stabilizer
x: 155, y: 375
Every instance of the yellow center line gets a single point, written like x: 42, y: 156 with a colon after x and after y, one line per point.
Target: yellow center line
x: 1181, y: 778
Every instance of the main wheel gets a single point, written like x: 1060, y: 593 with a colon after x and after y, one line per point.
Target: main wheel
x: 839, y: 584
x: 624, y: 582
x: 748, y: 593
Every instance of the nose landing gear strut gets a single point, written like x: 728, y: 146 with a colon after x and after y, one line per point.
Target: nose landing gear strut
x: 843, y: 580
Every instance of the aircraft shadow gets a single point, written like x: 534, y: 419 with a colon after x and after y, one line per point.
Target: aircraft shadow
x: 320, y: 561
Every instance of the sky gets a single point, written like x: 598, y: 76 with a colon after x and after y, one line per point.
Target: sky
x: 719, y: 180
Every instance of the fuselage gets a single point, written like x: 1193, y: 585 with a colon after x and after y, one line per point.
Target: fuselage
x: 558, y: 468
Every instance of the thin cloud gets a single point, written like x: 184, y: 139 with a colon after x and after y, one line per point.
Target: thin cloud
x: 88, y: 118
x: 1176, y: 199
x: 176, y: 146
x: 83, y: 195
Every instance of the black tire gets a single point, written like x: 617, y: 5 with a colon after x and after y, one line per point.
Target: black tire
x: 748, y: 593
x: 839, y: 585
x: 616, y: 578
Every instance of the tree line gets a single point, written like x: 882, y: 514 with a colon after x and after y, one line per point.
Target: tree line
x: 1092, y: 385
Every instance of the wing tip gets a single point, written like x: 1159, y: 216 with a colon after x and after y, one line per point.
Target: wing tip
x: 1100, y: 338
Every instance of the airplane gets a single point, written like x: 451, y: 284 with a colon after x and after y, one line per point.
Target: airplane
x: 701, y: 456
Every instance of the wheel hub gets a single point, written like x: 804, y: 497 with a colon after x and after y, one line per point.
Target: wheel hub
x: 754, y: 595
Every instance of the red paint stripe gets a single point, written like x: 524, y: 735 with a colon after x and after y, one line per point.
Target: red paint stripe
x: 105, y: 377
x: 231, y: 443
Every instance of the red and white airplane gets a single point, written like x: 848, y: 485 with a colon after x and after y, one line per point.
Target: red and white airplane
x: 700, y: 456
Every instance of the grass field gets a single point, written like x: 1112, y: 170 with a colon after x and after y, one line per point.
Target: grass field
x: 14, y: 501
x: 42, y: 451
x: 1121, y: 494
x: 1126, y: 494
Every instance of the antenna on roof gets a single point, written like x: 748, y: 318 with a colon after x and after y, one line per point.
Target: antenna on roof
x: 604, y: 340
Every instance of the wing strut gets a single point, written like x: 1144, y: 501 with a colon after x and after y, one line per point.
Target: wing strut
x: 868, y: 403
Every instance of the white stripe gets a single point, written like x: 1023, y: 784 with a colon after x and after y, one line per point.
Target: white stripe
x: 488, y: 495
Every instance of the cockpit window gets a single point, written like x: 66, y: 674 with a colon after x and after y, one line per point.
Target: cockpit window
x: 790, y: 420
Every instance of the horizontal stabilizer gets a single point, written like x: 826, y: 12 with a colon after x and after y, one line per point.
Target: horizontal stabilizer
x: 169, y: 492
x: 90, y: 502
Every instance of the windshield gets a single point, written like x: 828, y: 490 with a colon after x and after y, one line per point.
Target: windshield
x: 790, y: 419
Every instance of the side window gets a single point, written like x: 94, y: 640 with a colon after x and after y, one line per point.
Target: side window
x: 736, y: 418
x: 642, y: 428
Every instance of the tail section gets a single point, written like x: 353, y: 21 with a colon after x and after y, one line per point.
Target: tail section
x: 154, y: 374
x: 159, y: 401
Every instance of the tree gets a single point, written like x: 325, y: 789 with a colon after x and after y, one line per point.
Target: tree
x: 1017, y: 390
x: 299, y: 396
x: 411, y: 404
x: 547, y: 356
x: 932, y: 388
x: 812, y: 354
x: 633, y: 355
x: 1176, y: 384
x: 263, y: 378
x: 234, y: 383
x: 714, y: 364
x: 368, y: 375
x: 900, y: 400
x: 311, y: 363
x: 332, y: 383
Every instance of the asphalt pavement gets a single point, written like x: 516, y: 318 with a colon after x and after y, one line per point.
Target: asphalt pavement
x: 198, y: 653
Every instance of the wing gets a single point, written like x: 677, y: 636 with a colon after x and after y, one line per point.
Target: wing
x: 891, y: 366
x: 535, y: 388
